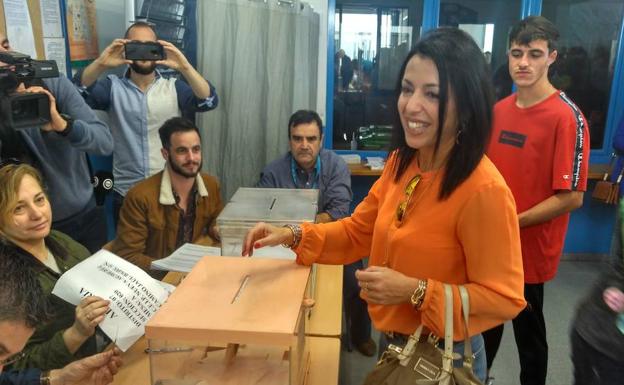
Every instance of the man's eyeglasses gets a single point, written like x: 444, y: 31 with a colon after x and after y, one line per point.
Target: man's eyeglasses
x: 13, y: 359
x: 409, y: 190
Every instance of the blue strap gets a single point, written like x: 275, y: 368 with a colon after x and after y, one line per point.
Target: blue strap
x: 293, y: 172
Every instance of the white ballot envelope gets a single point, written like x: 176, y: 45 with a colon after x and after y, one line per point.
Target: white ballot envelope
x: 134, y: 296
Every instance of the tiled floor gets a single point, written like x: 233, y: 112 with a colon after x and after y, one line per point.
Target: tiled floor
x: 562, y: 294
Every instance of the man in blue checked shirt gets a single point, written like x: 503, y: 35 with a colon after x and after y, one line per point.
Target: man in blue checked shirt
x: 139, y: 102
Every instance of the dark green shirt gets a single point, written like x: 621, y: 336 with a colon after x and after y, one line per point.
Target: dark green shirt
x: 46, y: 349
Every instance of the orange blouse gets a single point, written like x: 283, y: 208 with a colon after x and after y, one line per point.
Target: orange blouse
x: 471, y: 238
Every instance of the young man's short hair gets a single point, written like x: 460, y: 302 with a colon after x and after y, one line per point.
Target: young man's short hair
x: 534, y: 28
x: 140, y: 24
x: 304, y: 117
x: 173, y: 125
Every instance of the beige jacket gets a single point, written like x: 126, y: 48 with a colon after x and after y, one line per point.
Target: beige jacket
x: 148, y: 220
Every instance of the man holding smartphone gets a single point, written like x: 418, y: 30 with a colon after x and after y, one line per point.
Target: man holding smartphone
x: 141, y: 100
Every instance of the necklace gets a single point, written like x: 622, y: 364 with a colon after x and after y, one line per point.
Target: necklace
x: 395, y: 224
x: 422, y: 192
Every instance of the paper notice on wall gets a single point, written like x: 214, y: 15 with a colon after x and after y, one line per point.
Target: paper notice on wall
x: 51, y: 18
x: 54, y: 48
x: 134, y: 296
x: 81, y: 29
x: 19, y: 27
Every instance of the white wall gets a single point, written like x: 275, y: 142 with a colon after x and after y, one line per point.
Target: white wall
x: 320, y: 6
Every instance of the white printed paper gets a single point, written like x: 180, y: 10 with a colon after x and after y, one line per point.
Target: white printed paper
x: 55, y: 50
x: 375, y: 162
x: 185, y: 258
x: 19, y: 27
x: 51, y: 18
x: 134, y: 295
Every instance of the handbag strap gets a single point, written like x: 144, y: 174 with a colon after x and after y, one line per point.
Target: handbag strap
x: 410, y: 346
x: 619, y: 178
x: 610, y: 167
x: 447, y: 358
x: 465, y: 301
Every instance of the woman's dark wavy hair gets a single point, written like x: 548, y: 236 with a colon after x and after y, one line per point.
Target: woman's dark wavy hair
x: 21, y: 297
x: 462, y: 69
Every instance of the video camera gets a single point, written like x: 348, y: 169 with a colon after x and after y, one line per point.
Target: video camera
x: 20, y: 110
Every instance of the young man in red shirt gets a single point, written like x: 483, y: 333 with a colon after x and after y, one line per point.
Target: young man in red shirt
x: 540, y: 144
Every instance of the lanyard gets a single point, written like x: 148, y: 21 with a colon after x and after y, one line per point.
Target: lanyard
x: 293, y: 172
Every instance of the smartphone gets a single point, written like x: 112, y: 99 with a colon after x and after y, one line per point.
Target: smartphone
x: 144, y: 50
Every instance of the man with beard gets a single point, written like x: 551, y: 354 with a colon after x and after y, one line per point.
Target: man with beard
x: 176, y: 206
x: 139, y: 102
x: 306, y: 165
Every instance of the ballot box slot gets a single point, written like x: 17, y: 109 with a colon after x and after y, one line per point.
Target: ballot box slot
x: 239, y: 292
x: 272, y: 203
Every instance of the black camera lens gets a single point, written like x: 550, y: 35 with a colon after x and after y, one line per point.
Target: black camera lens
x: 25, y: 109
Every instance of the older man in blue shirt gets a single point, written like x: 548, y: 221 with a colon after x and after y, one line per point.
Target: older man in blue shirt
x: 306, y: 165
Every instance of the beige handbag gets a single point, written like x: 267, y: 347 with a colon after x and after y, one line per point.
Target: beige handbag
x: 421, y: 362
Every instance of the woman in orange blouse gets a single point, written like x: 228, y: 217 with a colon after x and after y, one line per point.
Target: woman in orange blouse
x: 439, y: 213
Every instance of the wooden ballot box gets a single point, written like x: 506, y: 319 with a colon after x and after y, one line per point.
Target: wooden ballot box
x: 232, y: 321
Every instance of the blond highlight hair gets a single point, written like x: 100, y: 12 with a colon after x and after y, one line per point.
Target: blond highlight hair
x: 11, y: 177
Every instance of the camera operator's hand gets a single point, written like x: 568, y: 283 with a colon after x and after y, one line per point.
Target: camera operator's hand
x: 175, y: 59
x: 113, y: 55
x: 57, y: 123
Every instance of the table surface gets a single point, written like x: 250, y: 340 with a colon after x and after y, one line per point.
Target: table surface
x: 326, y: 316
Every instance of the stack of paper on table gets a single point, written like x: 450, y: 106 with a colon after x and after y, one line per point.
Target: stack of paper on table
x: 351, y: 158
x: 185, y: 258
x: 375, y: 163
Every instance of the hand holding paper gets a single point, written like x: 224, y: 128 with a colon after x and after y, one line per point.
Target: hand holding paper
x: 89, y: 313
x: 112, y: 293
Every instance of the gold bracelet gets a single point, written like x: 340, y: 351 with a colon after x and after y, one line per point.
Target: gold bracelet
x: 296, y: 231
x: 418, y: 297
x: 44, y: 378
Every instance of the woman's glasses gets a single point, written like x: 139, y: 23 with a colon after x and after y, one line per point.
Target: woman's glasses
x: 409, y: 190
